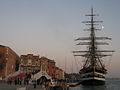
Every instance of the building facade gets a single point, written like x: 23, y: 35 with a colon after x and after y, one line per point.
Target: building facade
x: 48, y: 66
x: 59, y: 73
x: 44, y: 64
x: 30, y: 63
x: 51, y: 68
x: 9, y: 61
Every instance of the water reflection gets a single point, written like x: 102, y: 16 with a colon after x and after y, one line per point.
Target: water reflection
x: 110, y: 85
x: 93, y: 87
x: 80, y: 87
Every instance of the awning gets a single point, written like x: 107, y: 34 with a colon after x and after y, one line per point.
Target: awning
x: 20, y: 75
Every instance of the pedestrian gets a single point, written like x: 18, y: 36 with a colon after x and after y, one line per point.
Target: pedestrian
x: 34, y: 83
x: 20, y: 81
x: 15, y: 82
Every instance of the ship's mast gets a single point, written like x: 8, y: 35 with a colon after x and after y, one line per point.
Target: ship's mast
x: 92, y: 46
x: 93, y: 55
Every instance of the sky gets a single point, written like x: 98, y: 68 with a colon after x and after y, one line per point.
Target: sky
x: 48, y: 28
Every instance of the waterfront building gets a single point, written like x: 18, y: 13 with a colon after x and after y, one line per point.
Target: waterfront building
x: 51, y: 68
x: 59, y: 73
x: 9, y: 61
x: 32, y: 64
x: 29, y: 63
x: 44, y: 64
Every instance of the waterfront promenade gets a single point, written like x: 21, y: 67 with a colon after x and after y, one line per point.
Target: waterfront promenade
x: 8, y: 86
x: 5, y: 86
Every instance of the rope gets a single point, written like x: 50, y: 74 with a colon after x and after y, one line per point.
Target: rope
x: 109, y: 62
x: 77, y: 63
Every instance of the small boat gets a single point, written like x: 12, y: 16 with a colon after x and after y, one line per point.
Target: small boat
x: 73, y: 84
x: 55, y: 85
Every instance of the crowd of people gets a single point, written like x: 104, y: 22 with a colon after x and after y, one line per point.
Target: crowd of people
x: 29, y: 80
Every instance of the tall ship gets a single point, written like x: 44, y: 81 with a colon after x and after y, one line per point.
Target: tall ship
x: 93, y: 70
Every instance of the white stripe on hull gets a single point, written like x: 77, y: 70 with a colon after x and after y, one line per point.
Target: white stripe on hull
x: 92, y: 73
x: 94, y: 78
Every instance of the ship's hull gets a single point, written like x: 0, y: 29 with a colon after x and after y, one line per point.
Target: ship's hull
x: 93, y: 78
x: 93, y: 81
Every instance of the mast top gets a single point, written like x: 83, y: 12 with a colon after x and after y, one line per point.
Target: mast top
x: 92, y: 14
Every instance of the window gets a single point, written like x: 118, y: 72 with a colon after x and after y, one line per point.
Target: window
x: 29, y: 62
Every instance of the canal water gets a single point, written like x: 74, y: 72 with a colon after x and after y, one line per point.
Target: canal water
x: 110, y: 85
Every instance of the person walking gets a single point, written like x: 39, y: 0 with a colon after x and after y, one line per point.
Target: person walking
x: 34, y: 83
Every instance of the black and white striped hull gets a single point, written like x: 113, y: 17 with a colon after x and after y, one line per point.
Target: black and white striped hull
x: 86, y: 79
x: 93, y: 81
